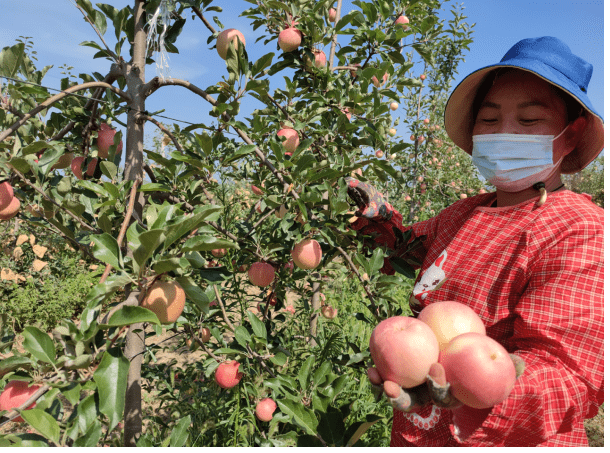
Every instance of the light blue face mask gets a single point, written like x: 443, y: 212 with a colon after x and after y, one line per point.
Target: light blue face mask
x: 514, y: 162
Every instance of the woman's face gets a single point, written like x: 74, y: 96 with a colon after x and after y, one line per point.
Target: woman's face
x: 521, y: 103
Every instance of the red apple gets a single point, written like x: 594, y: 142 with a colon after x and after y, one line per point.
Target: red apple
x: 463, y: 195
x: 6, y: 195
x: 225, y: 37
x: 420, y: 139
x: 328, y: 311
x: 205, y: 334
x: 394, y: 106
x: 264, y: 409
x: 426, y: 121
x: 292, y: 139
x: 403, y: 21
x: 16, y: 393
x: 403, y: 350
x: 376, y: 81
x: 422, y: 77
x: 448, y: 319
x: 261, y: 274
x: 227, y: 374
x: 11, y: 210
x: 105, y: 139
x: 379, y: 154
x: 307, y: 254
x: 319, y: 59
x: 479, y: 369
x: 289, y: 39
x: 219, y: 253
x: 290, y: 309
x: 332, y: 15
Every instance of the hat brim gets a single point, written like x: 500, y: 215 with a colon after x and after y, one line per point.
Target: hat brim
x: 459, y: 117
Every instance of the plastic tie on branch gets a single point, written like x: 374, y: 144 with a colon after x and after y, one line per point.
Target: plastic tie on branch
x: 155, y: 40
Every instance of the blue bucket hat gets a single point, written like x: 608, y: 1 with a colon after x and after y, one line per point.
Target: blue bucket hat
x: 552, y: 60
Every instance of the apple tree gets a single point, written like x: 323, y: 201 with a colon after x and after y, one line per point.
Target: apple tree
x: 219, y: 211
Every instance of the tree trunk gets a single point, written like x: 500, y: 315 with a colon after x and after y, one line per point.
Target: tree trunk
x: 134, y: 160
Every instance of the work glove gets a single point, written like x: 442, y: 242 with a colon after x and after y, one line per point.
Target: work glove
x: 436, y: 389
x: 379, y: 220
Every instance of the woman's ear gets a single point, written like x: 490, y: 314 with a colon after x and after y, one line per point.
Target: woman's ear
x: 574, y: 133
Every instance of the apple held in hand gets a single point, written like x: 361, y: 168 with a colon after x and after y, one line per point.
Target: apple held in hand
x: 479, y: 369
x: 403, y: 350
x: 449, y: 319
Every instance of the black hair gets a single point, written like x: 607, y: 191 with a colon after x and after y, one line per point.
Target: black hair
x: 573, y: 107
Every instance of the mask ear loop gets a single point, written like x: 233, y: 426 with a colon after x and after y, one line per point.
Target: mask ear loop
x: 541, y: 187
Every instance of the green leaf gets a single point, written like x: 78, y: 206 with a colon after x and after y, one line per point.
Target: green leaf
x: 402, y: 267
x: 106, y: 249
x: 257, y: 326
x: 11, y: 59
x: 262, y: 63
x: 176, y: 231
x: 356, y: 430
x: 155, y: 187
x: 305, y: 370
x: 128, y: 315
x: 242, y: 336
x: 42, y: 422
x: 299, y: 415
x: 149, y: 242
x: 38, y: 343
x: 332, y: 427
x: 111, y: 380
x: 87, y: 413
x: 195, y: 293
x: 241, y: 152
x: 91, y: 437
x: 13, y: 363
x: 205, y: 243
x: 376, y: 261
x: 321, y: 373
x: 180, y: 432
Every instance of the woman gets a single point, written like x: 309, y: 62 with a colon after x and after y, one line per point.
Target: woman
x: 527, y: 258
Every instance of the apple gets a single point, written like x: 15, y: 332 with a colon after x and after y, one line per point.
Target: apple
x: 407, y: 198
x: 16, y: 393
x: 392, y: 156
x: 426, y: 121
x: 422, y: 77
x: 205, y: 334
x: 166, y: 300
x: 392, y: 132
x: 261, y: 274
x: 290, y: 266
x: 292, y: 139
x: 11, y: 210
x: 479, y: 369
x: 219, y: 253
x: 77, y: 167
x: 6, y: 194
x: 348, y: 112
x: 307, y: 254
x: 379, y: 154
x: 420, y: 179
x: 332, y: 15
x: 482, y: 191
x: 403, y: 21
x: 328, y: 311
x: 225, y: 37
x: 463, y: 195
x: 264, y: 409
x: 394, y: 106
x: 420, y: 139
x: 376, y: 81
x: 257, y: 190
x: 105, y: 139
x: 448, y: 319
x: 319, y: 59
x: 290, y: 309
x: 289, y: 39
x: 403, y: 350
x: 227, y: 374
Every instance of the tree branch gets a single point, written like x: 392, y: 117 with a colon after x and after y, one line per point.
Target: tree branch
x: 52, y: 100
x: 197, y: 11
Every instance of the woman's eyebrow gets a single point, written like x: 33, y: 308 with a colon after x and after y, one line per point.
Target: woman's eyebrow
x: 523, y: 105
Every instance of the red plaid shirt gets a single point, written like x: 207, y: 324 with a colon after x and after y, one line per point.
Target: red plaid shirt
x: 535, y: 276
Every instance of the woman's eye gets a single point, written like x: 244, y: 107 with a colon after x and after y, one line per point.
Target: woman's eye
x: 488, y: 120
x: 529, y: 121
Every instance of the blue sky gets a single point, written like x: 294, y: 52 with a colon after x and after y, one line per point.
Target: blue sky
x: 57, y: 27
